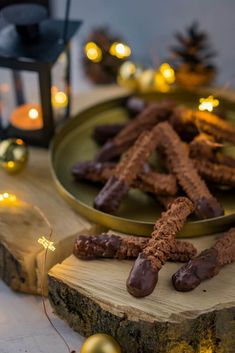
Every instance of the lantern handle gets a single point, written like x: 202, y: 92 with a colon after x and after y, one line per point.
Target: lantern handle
x: 67, y: 9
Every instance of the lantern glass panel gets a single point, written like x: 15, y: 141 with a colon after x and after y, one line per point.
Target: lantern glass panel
x: 60, y: 88
x: 20, y: 105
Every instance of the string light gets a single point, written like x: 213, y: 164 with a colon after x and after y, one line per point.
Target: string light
x: 7, y: 197
x: 120, y: 50
x: 93, y: 52
x: 208, y: 103
x: 10, y: 165
x: 167, y: 72
x: 46, y: 243
x: 160, y: 82
x: 59, y: 99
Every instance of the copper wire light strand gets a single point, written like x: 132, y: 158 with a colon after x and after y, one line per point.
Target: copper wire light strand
x: 43, y: 279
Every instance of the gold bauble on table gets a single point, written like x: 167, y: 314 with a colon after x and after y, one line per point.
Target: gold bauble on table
x: 13, y: 155
x: 128, y: 74
x: 100, y: 343
x: 146, y: 82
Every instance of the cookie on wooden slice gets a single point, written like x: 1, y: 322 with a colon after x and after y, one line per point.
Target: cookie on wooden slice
x: 92, y: 297
x: 21, y: 255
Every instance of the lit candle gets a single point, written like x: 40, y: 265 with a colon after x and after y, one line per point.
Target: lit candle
x: 27, y: 117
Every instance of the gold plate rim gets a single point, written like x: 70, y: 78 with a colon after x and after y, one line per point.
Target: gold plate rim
x: 125, y: 225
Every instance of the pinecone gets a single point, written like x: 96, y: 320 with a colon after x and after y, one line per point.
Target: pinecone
x: 193, y: 58
x: 105, y: 68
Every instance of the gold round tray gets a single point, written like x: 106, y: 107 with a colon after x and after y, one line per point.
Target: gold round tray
x: 74, y: 143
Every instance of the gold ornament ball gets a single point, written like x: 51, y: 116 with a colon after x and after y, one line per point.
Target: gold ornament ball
x: 146, y: 81
x: 13, y: 155
x: 100, y: 343
x: 128, y: 73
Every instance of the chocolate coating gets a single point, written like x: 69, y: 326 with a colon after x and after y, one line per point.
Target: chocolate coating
x: 110, y: 197
x: 104, y: 245
x: 108, y: 152
x: 89, y: 170
x: 103, y: 133
x: 89, y: 247
x: 208, y: 208
x: 202, y: 267
x: 142, y: 278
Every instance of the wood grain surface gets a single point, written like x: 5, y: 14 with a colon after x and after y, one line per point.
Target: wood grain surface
x: 92, y: 297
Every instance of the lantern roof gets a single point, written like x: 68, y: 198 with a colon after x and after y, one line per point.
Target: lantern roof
x: 45, y: 49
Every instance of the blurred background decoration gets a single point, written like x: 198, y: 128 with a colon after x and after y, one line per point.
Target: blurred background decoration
x: 193, y: 58
x: 138, y: 57
x: 103, y: 54
x: 148, y: 28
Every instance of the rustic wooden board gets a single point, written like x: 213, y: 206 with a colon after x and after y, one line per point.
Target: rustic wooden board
x: 20, y: 255
x: 20, y: 225
x: 91, y: 296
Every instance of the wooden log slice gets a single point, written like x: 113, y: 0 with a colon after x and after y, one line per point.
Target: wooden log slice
x: 91, y: 296
x: 21, y: 255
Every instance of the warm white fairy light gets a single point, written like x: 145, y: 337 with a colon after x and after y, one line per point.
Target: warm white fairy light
x: 120, y: 50
x: 208, y: 103
x: 46, y: 243
x: 167, y: 72
x: 93, y: 52
x: 7, y: 197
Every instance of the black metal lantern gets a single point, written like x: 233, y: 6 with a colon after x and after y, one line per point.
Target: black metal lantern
x: 34, y: 73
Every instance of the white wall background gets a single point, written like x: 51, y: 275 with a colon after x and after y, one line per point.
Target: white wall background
x: 148, y: 26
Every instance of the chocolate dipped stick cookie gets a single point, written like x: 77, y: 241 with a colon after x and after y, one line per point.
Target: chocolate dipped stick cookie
x: 147, y: 181
x: 216, y: 173
x: 144, y: 274
x: 215, y: 126
x: 126, y: 171
x: 203, y: 122
x: 89, y: 247
x: 207, y: 264
x: 206, y: 205
x: 150, y: 116
x: 103, y: 133
x: 204, y: 146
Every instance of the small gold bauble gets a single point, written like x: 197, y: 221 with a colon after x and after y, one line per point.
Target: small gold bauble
x: 146, y: 81
x: 13, y: 155
x: 128, y: 73
x: 100, y: 343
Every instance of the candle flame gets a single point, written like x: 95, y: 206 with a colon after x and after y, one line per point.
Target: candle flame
x: 33, y: 114
x: 208, y: 103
